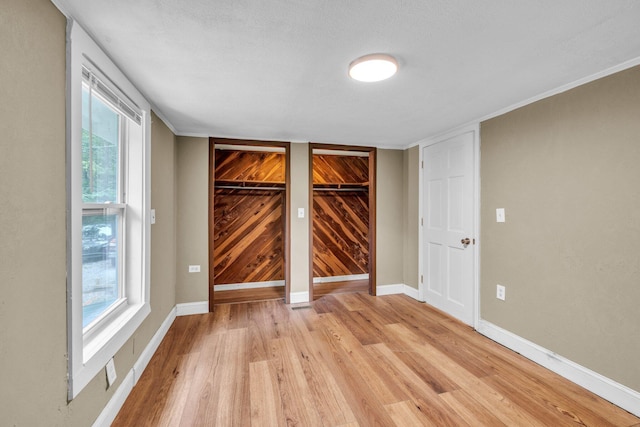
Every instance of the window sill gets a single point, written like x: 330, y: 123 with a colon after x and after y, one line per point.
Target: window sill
x: 105, y: 344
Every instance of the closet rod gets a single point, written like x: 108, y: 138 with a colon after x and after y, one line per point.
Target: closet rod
x: 340, y: 189
x: 240, y: 187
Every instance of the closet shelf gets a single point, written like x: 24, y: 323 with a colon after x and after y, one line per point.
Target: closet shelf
x: 248, y: 185
x: 341, y: 186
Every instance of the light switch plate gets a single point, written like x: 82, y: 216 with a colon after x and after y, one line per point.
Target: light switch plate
x: 500, y: 215
x: 300, y: 212
x: 194, y: 269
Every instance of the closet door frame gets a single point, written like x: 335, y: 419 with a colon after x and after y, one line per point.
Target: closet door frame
x: 372, y: 208
x: 287, y: 227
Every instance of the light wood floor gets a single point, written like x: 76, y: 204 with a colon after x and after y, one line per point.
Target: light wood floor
x: 349, y: 360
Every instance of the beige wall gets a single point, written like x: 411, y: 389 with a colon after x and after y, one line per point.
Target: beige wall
x: 193, y: 176
x: 566, y: 171
x: 299, y: 226
x: 193, y: 219
x: 33, y: 326
x: 410, y: 226
x: 389, y: 217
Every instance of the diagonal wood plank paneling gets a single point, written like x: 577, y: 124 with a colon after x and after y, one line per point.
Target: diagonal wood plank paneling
x: 340, y: 233
x: 329, y: 169
x: 340, y: 219
x: 248, y: 236
x: 250, y: 166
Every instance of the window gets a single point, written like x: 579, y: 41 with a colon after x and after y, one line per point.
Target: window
x: 108, y: 200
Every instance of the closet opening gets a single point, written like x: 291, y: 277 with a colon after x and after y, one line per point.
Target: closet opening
x: 248, y: 221
x: 342, y: 219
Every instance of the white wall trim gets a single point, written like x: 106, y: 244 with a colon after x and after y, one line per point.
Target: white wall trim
x: 148, y: 352
x: 114, y: 405
x: 248, y: 285
x: 332, y: 279
x: 382, y: 290
x: 188, y: 308
x: 298, y: 297
x: 399, y: 288
x: 604, y: 387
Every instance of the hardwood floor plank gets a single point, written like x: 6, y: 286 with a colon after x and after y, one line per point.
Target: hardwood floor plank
x: 422, y: 396
x: 353, y: 357
x: 202, y: 397
x: 363, y: 389
x: 266, y: 406
x: 406, y: 414
x: 328, y: 397
x: 169, y: 413
x: 233, y: 377
x: 333, y: 288
x: 268, y: 364
x: 297, y: 400
x: 504, y: 409
x: 471, y: 411
x: 248, y: 295
x: 549, y: 411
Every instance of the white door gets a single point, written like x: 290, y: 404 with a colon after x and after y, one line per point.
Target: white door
x: 449, y: 238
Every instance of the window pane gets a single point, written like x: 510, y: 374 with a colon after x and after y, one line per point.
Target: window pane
x: 100, y: 243
x: 100, y: 150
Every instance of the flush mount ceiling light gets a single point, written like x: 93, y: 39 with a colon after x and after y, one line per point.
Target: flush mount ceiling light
x: 373, y: 68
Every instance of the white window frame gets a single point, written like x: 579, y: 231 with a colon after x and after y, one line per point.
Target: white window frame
x: 89, y: 351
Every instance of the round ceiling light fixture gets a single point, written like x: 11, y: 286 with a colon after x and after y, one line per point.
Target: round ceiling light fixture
x: 373, y: 68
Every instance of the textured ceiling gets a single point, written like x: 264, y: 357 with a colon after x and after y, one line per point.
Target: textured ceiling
x: 277, y: 69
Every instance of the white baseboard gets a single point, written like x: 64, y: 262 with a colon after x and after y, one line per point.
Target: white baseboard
x: 399, y: 288
x: 298, y: 297
x: 390, y: 289
x: 248, y: 285
x: 604, y: 387
x: 187, y: 308
x: 332, y: 279
x: 150, y: 349
x: 114, y: 405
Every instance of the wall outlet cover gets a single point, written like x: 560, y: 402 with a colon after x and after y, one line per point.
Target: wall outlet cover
x: 111, y: 372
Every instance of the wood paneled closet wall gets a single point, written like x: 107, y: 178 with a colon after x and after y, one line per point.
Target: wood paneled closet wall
x: 247, y: 222
x: 342, y: 226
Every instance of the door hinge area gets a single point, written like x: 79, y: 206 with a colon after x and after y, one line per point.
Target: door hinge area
x: 421, y: 278
x: 422, y: 164
x: 421, y: 221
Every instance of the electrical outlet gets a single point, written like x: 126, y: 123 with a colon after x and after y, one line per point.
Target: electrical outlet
x: 500, y: 292
x: 111, y: 372
x: 194, y: 269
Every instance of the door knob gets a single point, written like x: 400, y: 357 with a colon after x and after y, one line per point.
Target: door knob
x: 465, y: 241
